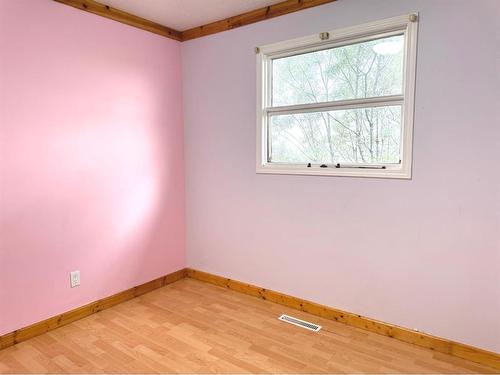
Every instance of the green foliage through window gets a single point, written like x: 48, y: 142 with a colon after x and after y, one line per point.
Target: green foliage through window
x: 358, y: 71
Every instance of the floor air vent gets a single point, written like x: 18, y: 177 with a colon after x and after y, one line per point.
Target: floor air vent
x: 300, y: 323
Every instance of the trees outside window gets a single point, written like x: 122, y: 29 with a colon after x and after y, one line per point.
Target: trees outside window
x: 339, y: 104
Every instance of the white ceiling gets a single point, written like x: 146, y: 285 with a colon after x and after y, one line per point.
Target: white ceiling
x: 185, y: 14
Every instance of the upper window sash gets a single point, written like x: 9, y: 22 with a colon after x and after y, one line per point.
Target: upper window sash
x: 272, y: 59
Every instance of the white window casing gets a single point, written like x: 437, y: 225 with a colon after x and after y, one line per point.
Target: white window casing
x: 406, y: 25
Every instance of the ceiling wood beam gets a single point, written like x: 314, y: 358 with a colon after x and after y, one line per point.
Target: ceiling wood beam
x: 253, y: 16
x: 123, y: 17
x: 261, y: 14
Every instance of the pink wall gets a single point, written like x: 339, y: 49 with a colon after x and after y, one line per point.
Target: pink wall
x: 91, y: 158
x: 423, y: 253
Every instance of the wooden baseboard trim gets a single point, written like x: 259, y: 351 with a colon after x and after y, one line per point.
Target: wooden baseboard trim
x: 57, y: 321
x: 438, y: 344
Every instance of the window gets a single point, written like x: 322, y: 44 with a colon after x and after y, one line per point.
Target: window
x: 339, y: 103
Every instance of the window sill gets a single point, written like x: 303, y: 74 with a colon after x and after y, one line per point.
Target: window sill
x: 395, y: 173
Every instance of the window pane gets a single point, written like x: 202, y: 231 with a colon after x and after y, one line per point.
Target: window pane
x: 362, y: 70
x: 367, y: 135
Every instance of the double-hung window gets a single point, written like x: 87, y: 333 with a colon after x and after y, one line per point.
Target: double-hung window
x: 340, y: 102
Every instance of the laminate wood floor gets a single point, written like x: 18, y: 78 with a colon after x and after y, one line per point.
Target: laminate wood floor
x: 194, y: 327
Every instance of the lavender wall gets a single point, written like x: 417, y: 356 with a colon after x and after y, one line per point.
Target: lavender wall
x: 91, y: 158
x: 423, y: 253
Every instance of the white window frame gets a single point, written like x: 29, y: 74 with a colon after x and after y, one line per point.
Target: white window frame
x: 406, y: 25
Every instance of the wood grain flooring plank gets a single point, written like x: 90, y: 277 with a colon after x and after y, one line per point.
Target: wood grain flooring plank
x: 195, y: 327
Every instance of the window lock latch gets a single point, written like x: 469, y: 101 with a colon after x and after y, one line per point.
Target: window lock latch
x: 324, y: 35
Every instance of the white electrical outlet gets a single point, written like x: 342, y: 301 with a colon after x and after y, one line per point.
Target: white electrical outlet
x: 75, y: 278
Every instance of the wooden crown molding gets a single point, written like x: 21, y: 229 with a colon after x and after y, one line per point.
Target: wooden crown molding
x: 438, y: 344
x: 261, y: 14
x: 253, y: 16
x: 123, y: 17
